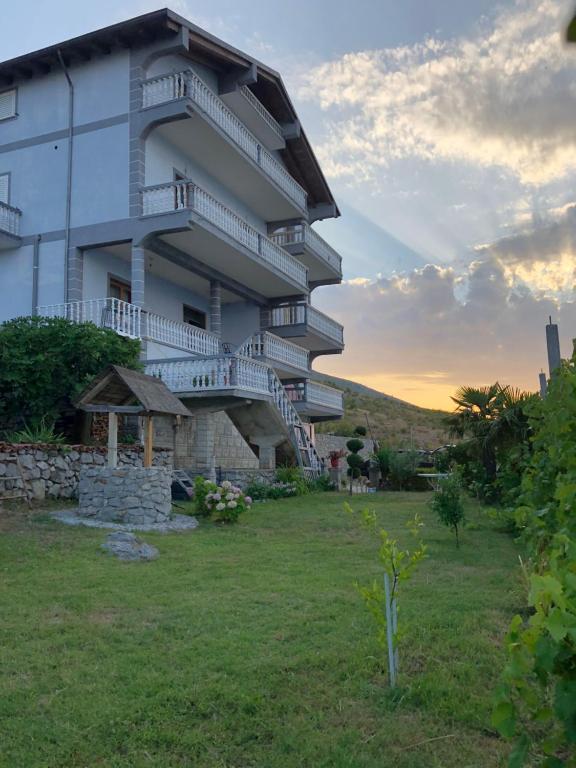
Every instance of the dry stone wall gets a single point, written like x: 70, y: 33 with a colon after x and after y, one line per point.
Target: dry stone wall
x: 53, y: 471
x: 128, y: 495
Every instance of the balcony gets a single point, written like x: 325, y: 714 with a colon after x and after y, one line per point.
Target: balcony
x: 9, y: 226
x: 314, y: 400
x: 216, y: 375
x: 316, y: 331
x: 136, y: 323
x: 266, y: 267
x: 323, y: 262
x: 222, y: 144
x: 284, y: 356
x: 255, y: 117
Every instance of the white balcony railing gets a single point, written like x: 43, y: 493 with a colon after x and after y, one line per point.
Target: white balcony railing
x: 300, y: 313
x: 232, y: 372
x: 10, y: 219
x: 181, y: 195
x: 211, y: 374
x: 315, y: 394
x: 274, y: 348
x: 270, y: 121
x: 303, y: 234
x: 129, y: 320
x: 119, y: 316
x: 164, y: 88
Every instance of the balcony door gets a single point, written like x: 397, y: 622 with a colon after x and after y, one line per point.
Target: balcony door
x: 194, y: 317
x: 118, y: 289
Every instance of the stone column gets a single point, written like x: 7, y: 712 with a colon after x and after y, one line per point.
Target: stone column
x: 138, y: 267
x: 216, y: 307
x: 75, y: 274
x: 265, y: 315
x: 203, y: 450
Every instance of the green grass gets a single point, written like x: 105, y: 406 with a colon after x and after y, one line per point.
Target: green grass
x: 248, y: 646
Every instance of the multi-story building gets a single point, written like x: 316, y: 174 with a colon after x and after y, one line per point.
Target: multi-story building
x: 157, y: 181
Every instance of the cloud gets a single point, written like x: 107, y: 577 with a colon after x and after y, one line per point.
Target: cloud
x: 413, y: 336
x: 541, y: 256
x: 504, y: 98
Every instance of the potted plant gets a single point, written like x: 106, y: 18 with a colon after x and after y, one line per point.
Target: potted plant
x: 335, y: 457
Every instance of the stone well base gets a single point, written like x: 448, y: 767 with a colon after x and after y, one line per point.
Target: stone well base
x: 131, y: 495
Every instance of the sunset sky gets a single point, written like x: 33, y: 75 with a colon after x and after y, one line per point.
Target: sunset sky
x: 447, y: 130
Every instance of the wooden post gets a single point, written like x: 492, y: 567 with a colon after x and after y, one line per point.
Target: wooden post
x: 148, y: 440
x: 112, y: 439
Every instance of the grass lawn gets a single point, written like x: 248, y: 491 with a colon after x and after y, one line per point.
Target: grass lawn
x: 249, y: 646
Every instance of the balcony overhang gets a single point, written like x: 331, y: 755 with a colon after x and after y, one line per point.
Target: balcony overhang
x: 9, y: 241
x: 192, y: 131
x: 205, y: 243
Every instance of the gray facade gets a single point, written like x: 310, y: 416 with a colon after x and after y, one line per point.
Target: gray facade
x: 159, y: 184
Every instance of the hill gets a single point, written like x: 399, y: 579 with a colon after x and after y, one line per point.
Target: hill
x: 391, y: 420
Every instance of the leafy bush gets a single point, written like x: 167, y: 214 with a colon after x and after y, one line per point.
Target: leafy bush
x: 402, y: 469
x: 536, y: 701
x: 292, y: 476
x: 360, y: 430
x: 37, y: 432
x: 382, y: 458
x: 320, y: 484
x: 223, y: 503
x: 257, y: 491
x: 46, y: 362
x: 447, y: 504
x: 355, y: 445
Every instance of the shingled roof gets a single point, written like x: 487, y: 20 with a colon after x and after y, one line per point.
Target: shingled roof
x: 118, y: 386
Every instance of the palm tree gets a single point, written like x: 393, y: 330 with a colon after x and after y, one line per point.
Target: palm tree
x: 492, y: 417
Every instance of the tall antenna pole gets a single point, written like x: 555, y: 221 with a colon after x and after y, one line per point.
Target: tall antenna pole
x: 553, y: 346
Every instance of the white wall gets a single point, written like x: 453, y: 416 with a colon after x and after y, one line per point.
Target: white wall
x: 239, y: 321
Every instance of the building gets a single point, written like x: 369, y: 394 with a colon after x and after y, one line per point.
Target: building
x: 157, y: 181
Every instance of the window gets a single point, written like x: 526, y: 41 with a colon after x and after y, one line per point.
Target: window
x: 194, y: 317
x: 8, y: 104
x: 118, y: 289
x: 4, y: 188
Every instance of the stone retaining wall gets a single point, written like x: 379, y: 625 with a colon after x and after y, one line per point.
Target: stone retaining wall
x: 243, y: 477
x: 327, y: 443
x: 130, y: 495
x: 54, y: 470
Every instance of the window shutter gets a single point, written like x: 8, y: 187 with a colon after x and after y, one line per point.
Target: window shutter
x: 4, y: 188
x: 7, y: 104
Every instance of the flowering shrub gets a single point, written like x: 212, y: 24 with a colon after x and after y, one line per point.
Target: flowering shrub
x: 223, y: 503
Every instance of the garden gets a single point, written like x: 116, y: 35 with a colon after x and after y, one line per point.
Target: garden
x: 249, y: 644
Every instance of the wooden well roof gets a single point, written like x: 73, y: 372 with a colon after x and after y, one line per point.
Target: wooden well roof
x: 116, y: 386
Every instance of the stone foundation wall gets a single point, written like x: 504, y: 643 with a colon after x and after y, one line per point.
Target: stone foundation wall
x: 243, y: 477
x: 204, y: 443
x: 132, y: 495
x: 54, y: 470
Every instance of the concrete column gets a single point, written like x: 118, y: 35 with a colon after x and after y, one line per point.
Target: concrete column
x: 138, y: 268
x: 216, y: 307
x: 267, y: 451
x: 75, y: 274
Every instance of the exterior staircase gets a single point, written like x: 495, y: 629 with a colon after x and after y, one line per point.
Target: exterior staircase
x: 230, y: 379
